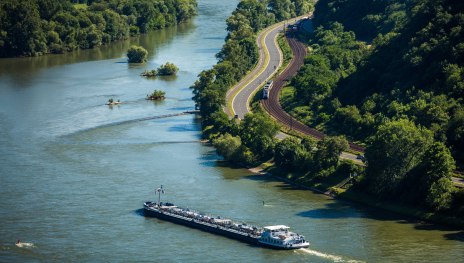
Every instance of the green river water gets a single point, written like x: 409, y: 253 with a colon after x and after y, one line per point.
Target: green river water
x: 74, y: 172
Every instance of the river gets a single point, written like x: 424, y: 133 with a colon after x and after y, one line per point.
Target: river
x: 74, y: 172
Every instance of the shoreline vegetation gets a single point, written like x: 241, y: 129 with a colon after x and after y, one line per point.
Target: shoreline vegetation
x: 37, y: 27
x: 251, y: 141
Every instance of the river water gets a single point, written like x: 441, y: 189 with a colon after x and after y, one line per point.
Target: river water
x: 74, y: 172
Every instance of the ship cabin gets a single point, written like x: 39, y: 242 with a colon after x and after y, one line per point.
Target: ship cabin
x: 280, y: 237
x: 278, y: 228
x: 274, y: 234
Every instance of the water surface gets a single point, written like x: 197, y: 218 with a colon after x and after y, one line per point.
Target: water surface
x: 74, y: 172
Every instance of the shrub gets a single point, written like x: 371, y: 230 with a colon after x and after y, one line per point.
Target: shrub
x: 137, y: 54
x: 156, y: 95
x: 167, y: 69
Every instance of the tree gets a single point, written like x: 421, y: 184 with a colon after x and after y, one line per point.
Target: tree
x: 395, y: 149
x: 219, y: 123
x: 455, y: 135
x: 25, y: 25
x: 156, y: 95
x: 328, y: 152
x: 438, y: 166
x: 20, y: 29
x: 440, y: 195
x: 347, y: 118
x: 257, y: 133
x: 284, y: 152
x: 228, y: 146
x: 283, y: 9
x: 137, y: 54
x: 167, y: 69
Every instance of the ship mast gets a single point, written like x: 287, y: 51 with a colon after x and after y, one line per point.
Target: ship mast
x: 160, y: 190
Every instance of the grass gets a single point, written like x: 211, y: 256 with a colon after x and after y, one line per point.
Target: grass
x: 286, y: 95
x: 285, y: 47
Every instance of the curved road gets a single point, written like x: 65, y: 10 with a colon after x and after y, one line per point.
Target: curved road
x: 270, y: 60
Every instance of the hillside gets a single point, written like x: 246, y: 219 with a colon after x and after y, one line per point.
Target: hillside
x: 390, y: 74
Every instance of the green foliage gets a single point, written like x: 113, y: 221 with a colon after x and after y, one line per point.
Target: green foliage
x: 413, y: 69
x: 404, y: 91
x: 366, y: 18
x: 219, y: 123
x: 294, y: 154
x: 167, y: 69
x: 455, y: 135
x: 257, y: 132
x: 282, y: 9
x: 328, y: 152
x: 314, y: 161
x: 137, y: 54
x: 252, y: 140
x: 156, y: 95
x: 284, y: 155
x: 228, y: 146
x: 438, y: 166
x: 238, y: 55
x: 34, y: 27
x: 440, y: 195
x: 149, y: 73
x: 395, y: 149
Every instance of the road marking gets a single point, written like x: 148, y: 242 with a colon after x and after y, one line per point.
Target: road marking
x: 240, y: 86
x: 266, y: 61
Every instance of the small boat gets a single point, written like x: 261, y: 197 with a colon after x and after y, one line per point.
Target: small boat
x: 278, y: 236
x: 23, y: 244
x: 111, y: 102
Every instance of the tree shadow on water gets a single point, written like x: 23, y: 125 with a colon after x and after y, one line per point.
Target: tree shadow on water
x: 454, y: 233
x: 458, y: 236
x: 344, y: 209
x: 284, y: 185
x: 340, y: 209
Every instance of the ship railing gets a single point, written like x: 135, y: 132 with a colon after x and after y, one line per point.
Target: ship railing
x: 209, y: 220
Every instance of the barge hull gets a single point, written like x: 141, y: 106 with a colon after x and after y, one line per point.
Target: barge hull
x: 202, y: 226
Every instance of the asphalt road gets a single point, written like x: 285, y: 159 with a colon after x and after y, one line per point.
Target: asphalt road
x: 270, y: 60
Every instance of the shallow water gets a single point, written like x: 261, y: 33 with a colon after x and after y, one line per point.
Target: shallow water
x: 74, y: 172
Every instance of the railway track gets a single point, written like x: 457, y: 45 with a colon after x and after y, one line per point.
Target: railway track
x: 272, y: 104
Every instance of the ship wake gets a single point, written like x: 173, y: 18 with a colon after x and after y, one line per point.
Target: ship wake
x: 334, y: 258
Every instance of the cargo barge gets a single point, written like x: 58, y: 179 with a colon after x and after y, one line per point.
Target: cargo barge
x: 277, y: 236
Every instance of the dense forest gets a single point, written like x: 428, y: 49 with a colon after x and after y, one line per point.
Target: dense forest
x: 35, y: 27
x: 252, y: 140
x: 390, y: 73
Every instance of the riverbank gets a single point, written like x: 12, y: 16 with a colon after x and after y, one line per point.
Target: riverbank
x: 70, y: 27
x: 334, y: 188
x: 348, y: 194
